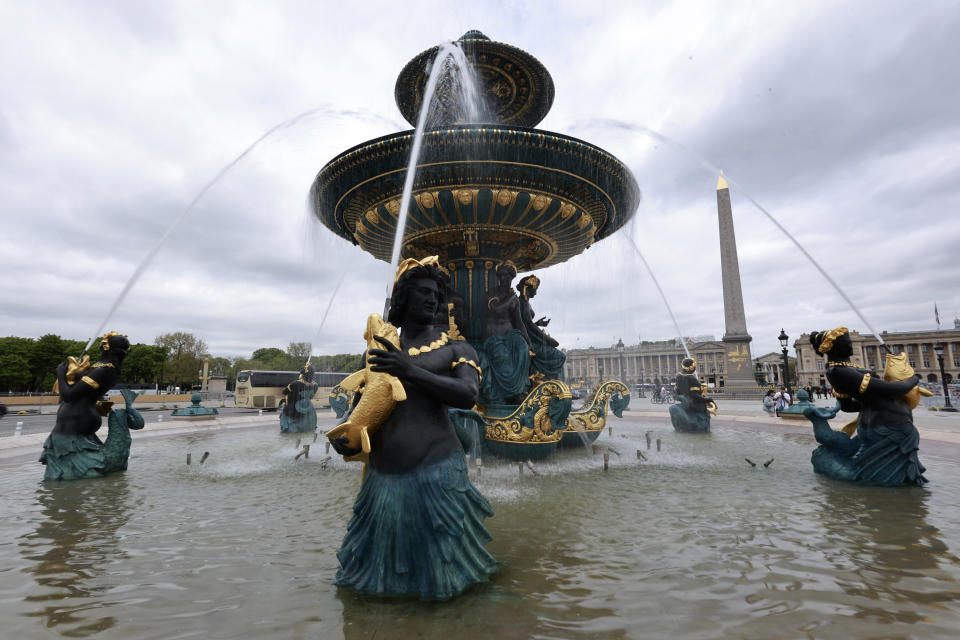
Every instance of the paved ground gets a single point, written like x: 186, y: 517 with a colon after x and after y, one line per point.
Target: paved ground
x: 934, y: 426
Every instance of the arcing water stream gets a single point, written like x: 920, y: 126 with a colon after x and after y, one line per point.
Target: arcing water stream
x: 448, y: 52
x: 663, y: 296
x: 626, y: 126
x: 193, y: 203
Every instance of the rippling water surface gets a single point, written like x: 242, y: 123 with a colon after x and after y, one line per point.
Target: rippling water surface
x: 690, y: 543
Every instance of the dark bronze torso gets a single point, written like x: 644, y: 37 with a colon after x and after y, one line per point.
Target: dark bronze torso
x: 419, y: 431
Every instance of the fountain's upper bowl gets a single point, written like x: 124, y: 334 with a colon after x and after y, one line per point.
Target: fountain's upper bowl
x: 515, y: 87
x: 481, y: 192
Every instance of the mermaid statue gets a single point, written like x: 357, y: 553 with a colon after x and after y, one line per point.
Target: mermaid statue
x: 547, y: 361
x: 72, y: 450
x: 692, y: 414
x: 880, y: 446
x: 417, y: 527
x: 505, y: 353
x: 299, y: 414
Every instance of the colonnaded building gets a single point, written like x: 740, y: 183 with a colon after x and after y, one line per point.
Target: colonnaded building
x: 920, y: 347
x: 659, y: 362
x: 650, y: 362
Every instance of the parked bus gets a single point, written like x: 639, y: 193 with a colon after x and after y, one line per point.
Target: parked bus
x: 264, y: 389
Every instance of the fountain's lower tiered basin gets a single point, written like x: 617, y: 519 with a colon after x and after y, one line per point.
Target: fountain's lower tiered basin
x: 690, y: 543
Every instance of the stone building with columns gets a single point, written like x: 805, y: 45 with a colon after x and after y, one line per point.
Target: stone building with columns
x: 920, y: 347
x: 769, y: 368
x: 647, y: 362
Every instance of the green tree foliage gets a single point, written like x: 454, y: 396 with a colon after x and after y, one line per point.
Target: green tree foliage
x: 344, y: 362
x: 299, y: 352
x: 14, y: 372
x: 144, y: 364
x: 185, y: 354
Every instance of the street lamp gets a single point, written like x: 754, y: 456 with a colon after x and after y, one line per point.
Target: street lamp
x: 620, y: 348
x: 938, y: 348
x: 784, y: 339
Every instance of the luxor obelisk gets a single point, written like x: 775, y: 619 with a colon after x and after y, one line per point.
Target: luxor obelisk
x: 736, y: 338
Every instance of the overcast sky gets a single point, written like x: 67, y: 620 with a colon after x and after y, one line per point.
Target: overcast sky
x: 841, y: 119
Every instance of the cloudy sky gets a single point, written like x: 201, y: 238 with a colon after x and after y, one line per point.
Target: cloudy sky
x: 841, y: 119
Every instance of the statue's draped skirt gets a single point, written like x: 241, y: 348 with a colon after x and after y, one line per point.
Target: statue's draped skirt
x: 688, y: 416
x: 884, y: 456
x: 505, y: 362
x: 299, y: 416
x: 888, y: 456
x: 418, y: 533
x: 72, y: 457
x: 547, y: 360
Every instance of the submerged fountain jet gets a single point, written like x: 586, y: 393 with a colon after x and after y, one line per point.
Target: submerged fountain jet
x: 484, y: 193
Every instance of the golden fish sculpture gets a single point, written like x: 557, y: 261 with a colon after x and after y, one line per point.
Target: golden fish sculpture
x: 380, y: 392
x: 898, y: 369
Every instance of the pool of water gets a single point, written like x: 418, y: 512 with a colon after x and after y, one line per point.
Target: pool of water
x: 692, y: 542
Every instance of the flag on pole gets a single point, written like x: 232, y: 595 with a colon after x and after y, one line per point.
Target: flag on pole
x: 936, y: 314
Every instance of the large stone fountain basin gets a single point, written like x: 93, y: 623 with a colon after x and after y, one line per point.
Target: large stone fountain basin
x: 480, y: 191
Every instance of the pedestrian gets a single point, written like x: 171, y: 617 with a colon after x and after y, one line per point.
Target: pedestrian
x: 769, y: 404
x: 781, y: 400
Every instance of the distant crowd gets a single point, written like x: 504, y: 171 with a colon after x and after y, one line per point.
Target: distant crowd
x: 778, y: 399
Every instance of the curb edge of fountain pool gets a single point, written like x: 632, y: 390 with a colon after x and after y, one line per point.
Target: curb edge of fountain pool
x: 943, y: 431
x: 30, y: 445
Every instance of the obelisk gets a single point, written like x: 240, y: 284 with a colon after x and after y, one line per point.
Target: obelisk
x: 736, y: 338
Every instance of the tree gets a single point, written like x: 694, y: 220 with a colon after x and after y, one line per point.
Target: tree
x: 185, y: 353
x: 271, y: 359
x: 16, y: 355
x: 14, y: 372
x: 264, y: 354
x: 144, y: 363
x: 299, y: 352
x: 48, y: 352
x: 344, y: 362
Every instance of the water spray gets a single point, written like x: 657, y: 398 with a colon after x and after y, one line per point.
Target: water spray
x: 617, y: 124
x: 446, y: 51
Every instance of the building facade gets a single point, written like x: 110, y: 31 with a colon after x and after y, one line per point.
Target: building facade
x: 647, y: 362
x: 868, y: 352
x: 769, y: 368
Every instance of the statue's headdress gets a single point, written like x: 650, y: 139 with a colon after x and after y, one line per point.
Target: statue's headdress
x: 688, y: 365
x: 114, y: 338
x: 413, y: 263
x: 306, y: 374
x: 528, y: 281
x: 823, y: 342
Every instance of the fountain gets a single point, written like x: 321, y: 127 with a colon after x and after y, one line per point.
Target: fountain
x: 195, y: 411
x: 683, y: 541
x: 483, y: 195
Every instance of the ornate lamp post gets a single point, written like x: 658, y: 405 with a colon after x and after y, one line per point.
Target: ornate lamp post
x: 620, y: 348
x: 784, y: 340
x: 938, y: 348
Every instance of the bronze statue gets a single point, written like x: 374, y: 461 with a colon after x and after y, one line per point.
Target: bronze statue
x: 503, y: 306
x: 395, y: 544
x: 299, y: 414
x: 547, y: 360
x: 505, y: 353
x: 880, y: 446
x: 692, y: 414
x: 73, y: 450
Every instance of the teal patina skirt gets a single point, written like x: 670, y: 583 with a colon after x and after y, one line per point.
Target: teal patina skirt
x: 419, y: 534
x: 72, y: 457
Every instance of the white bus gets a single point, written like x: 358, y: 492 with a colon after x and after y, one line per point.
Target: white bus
x: 264, y: 389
